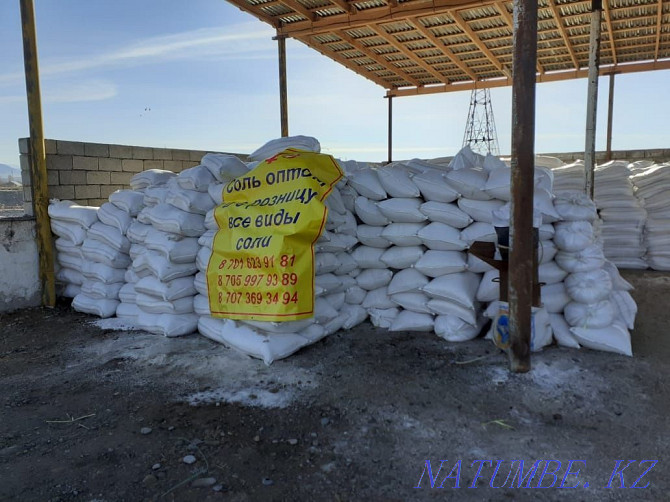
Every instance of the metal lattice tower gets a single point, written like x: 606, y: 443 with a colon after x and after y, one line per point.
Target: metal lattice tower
x: 480, y: 130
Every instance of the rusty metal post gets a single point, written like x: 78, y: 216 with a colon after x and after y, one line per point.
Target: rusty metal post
x: 610, y: 114
x: 38, y: 162
x: 283, y: 92
x: 390, y: 130
x: 592, y: 97
x: 520, y: 289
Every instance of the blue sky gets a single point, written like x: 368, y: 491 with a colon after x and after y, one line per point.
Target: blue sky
x: 208, y: 73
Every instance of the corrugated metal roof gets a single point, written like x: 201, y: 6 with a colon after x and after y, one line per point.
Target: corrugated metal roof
x: 415, y: 46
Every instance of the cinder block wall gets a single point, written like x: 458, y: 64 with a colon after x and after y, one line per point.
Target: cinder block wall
x: 656, y: 155
x: 88, y: 172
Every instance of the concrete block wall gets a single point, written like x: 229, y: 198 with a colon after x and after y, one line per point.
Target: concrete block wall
x: 88, y: 173
x: 658, y: 155
x: 19, y: 269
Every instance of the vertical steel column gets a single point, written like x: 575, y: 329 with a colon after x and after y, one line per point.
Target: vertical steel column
x: 283, y: 93
x: 520, y: 289
x: 390, y: 130
x: 592, y: 97
x: 610, y: 114
x: 38, y: 164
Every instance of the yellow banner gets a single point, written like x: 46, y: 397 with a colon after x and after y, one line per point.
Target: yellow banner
x: 262, y: 264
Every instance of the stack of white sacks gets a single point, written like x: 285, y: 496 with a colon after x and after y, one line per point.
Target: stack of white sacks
x: 165, y: 245
x: 622, y: 218
x: 105, y: 251
x: 417, y: 221
x: 569, y: 177
x: 394, y: 248
x: 335, y: 272
x: 70, y: 223
x: 652, y: 188
x: 549, y: 274
x: 600, y: 311
x: 413, y: 233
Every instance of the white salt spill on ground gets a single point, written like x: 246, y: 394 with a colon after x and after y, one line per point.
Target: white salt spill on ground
x: 115, y: 323
x: 191, y: 363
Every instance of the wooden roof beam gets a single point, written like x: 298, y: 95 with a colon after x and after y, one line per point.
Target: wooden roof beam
x: 385, y: 13
x: 256, y: 11
x: 463, y: 25
x: 300, y: 9
x: 348, y: 63
x: 411, y: 55
x: 608, y: 22
x: 562, y: 30
x: 379, y: 59
x: 659, y: 18
x: 504, y: 13
x: 439, y: 45
x: 345, y: 6
x: 547, y: 77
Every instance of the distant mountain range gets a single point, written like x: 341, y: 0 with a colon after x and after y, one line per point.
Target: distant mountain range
x: 7, y: 171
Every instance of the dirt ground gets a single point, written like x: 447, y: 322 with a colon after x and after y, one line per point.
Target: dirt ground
x: 94, y: 414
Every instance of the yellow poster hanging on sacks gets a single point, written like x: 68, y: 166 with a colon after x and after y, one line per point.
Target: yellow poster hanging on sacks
x: 262, y: 263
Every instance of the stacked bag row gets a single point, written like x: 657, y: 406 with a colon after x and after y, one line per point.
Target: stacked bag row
x: 165, y: 249
x: 652, y: 188
x: 70, y: 223
x: 622, y: 217
x: 597, y: 309
x: 550, y: 276
x: 335, y: 272
x: 106, y: 257
x: 414, y: 228
x: 395, y: 248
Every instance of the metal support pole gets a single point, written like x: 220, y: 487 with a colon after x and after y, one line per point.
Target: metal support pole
x: 520, y: 291
x: 390, y: 130
x: 610, y: 112
x: 283, y: 93
x: 592, y: 97
x: 38, y: 164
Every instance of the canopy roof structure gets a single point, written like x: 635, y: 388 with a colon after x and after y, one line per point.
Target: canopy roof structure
x: 425, y: 46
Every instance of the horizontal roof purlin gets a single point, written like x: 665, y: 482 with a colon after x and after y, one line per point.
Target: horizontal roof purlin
x: 414, y: 47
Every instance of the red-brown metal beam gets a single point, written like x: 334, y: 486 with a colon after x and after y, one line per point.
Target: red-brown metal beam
x: 522, y: 243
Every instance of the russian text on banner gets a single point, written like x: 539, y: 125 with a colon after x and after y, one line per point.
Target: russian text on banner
x: 262, y: 264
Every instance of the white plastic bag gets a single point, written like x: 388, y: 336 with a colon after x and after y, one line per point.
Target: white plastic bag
x: 129, y: 201
x: 402, y: 210
x: 614, y: 338
x: 407, y: 280
x: 441, y: 237
x: 372, y: 236
x: 449, y: 214
x: 369, y: 213
x: 403, y: 234
x: 594, y: 315
x: 366, y: 183
x: 589, y: 287
x: 374, y: 278
x: 224, y: 167
x: 434, y: 187
x: 396, y: 181
x: 436, y: 263
x: 455, y: 329
x: 459, y: 288
x: 101, y: 307
x: 400, y: 257
x: 412, y: 321
x: 562, y: 333
x: 412, y: 301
